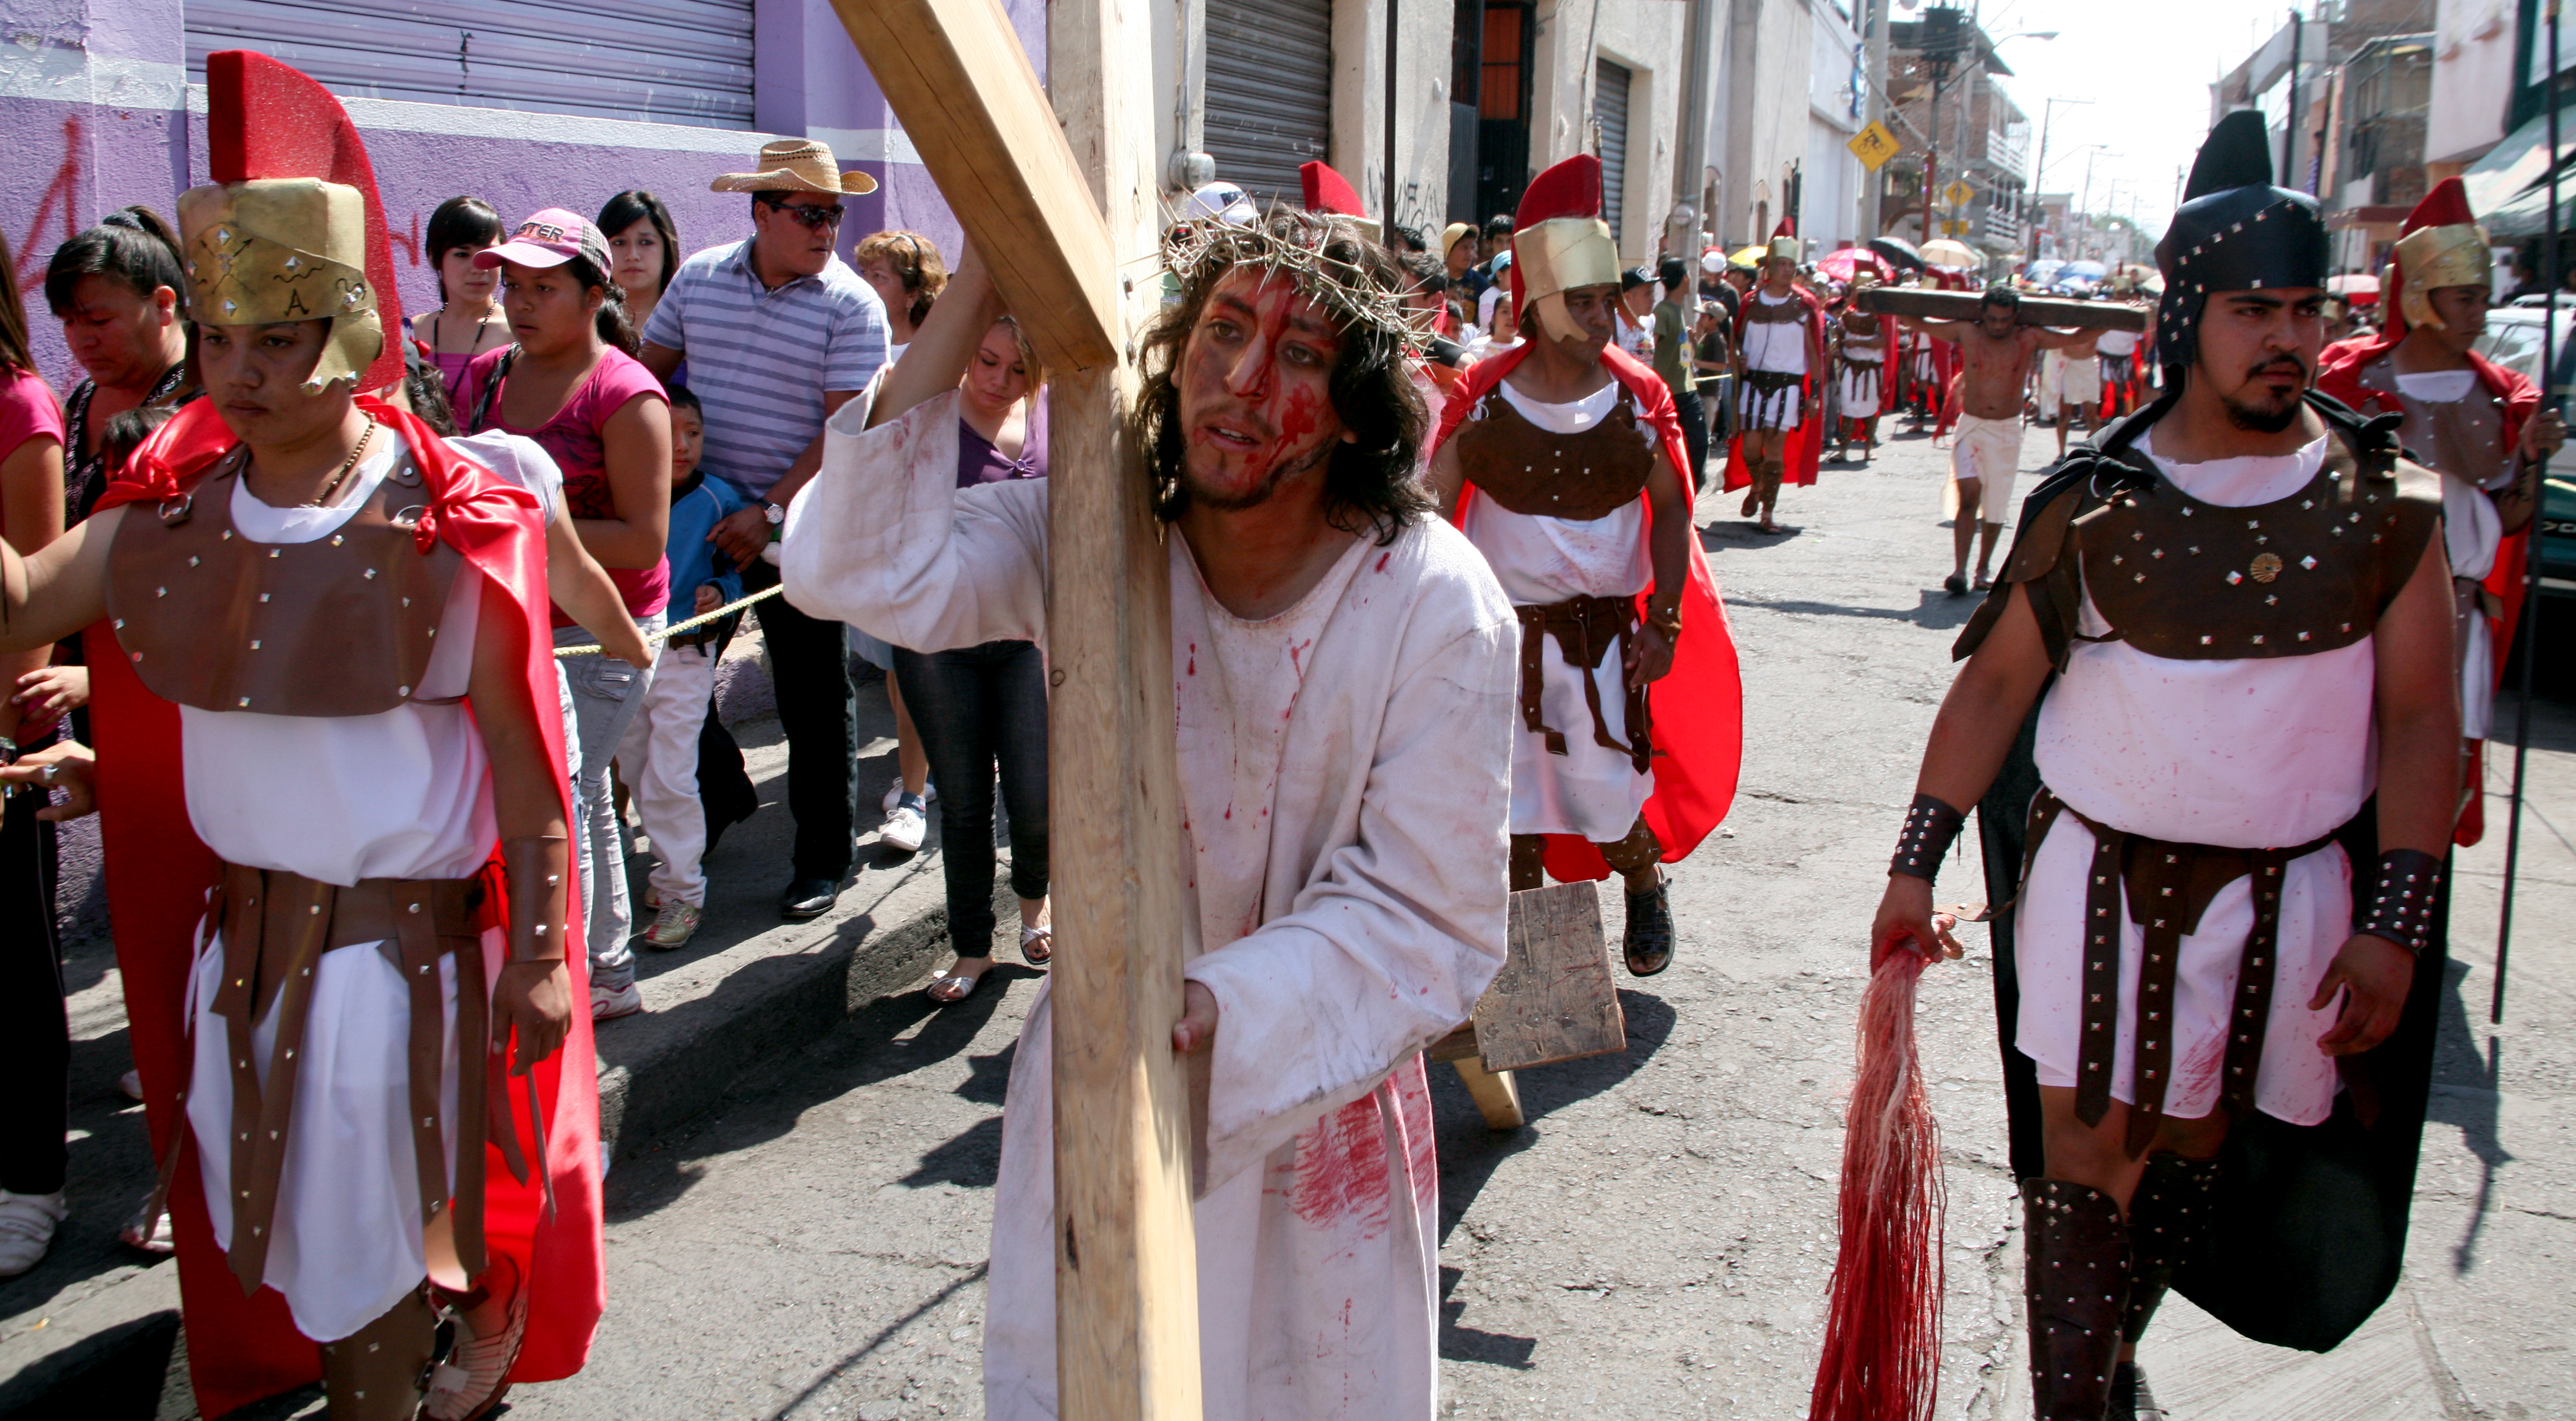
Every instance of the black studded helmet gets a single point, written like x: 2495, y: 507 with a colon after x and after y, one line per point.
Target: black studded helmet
x: 2235, y: 231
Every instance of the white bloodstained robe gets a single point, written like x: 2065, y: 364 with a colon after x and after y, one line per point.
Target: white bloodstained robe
x: 1345, y: 773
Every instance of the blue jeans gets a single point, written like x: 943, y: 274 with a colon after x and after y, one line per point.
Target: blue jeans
x: 607, y: 695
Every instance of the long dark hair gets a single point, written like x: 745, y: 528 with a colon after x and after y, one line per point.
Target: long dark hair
x: 623, y: 210
x: 132, y: 246
x: 615, y: 326
x: 13, y: 315
x: 1369, y: 487
x: 458, y: 222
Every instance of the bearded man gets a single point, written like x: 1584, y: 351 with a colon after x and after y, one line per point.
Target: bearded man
x: 1996, y: 352
x: 2476, y: 423
x: 1563, y: 462
x: 2216, y: 979
x: 1342, y: 680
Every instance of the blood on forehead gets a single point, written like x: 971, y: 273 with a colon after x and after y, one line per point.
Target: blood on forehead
x: 1272, y: 301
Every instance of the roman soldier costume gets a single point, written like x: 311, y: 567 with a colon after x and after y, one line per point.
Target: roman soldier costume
x: 1861, y: 365
x: 305, y: 935
x: 1774, y: 337
x: 1604, y: 775
x: 2467, y: 424
x: 2188, y: 817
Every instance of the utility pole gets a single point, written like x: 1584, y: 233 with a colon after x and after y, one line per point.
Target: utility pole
x: 1690, y: 148
x: 1874, y: 45
x: 2291, y: 123
x: 2039, y: 169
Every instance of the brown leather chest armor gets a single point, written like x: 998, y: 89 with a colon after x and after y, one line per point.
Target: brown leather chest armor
x: 1535, y: 472
x: 340, y: 626
x: 2463, y: 437
x: 2191, y: 581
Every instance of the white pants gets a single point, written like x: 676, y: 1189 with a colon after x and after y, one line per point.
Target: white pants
x: 658, y: 759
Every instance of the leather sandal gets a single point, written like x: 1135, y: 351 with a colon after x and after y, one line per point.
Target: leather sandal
x: 471, y: 1383
x: 1037, y: 945
x: 953, y: 987
x: 1648, y: 940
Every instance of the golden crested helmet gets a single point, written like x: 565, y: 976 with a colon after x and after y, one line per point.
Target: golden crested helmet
x: 285, y: 249
x: 1560, y: 243
x: 2441, y: 245
x: 1785, y: 248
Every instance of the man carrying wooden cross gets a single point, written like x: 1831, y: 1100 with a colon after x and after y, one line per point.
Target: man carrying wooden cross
x: 1998, y: 352
x: 1342, y: 669
x: 1564, y: 463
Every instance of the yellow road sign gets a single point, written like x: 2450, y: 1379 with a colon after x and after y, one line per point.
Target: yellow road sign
x: 1874, y: 145
x: 1958, y: 194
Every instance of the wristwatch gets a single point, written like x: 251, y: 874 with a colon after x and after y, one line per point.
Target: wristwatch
x: 775, y: 514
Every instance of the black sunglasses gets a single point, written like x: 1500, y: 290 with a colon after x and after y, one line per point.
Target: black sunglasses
x: 813, y: 215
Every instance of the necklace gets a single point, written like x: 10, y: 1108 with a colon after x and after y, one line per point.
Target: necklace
x: 342, y: 473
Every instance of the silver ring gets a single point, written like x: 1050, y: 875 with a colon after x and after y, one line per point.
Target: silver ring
x: 50, y: 776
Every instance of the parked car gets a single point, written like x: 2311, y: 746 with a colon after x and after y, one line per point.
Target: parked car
x: 2512, y: 340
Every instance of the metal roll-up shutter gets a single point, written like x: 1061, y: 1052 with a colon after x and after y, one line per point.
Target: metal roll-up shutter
x: 1269, y: 92
x: 664, y: 61
x: 1610, y: 111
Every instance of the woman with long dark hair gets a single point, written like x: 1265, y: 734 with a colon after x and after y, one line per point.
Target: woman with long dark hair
x: 468, y: 321
x: 570, y: 385
x: 117, y: 290
x: 35, y: 1035
x: 645, y: 246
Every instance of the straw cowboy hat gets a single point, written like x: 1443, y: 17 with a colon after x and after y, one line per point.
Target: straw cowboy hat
x: 796, y: 165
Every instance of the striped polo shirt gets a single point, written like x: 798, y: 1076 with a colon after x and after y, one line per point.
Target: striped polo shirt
x: 760, y: 360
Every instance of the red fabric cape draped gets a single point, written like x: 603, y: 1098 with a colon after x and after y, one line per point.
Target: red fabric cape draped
x: 158, y: 873
x: 2339, y: 375
x: 1698, y: 708
x: 1805, y: 447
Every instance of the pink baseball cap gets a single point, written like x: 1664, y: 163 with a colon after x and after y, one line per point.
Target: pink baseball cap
x: 550, y: 238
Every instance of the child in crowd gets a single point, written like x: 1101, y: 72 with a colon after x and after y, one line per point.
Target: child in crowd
x: 658, y: 759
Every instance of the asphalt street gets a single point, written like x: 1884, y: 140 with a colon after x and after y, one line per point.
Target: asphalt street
x: 1657, y: 1242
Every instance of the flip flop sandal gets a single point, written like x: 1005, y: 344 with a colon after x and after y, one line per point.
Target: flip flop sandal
x: 947, y: 994
x: 1982, y: 584
x: 1037, y: 945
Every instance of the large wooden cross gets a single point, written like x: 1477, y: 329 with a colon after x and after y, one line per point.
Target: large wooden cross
x: 1059, y: 199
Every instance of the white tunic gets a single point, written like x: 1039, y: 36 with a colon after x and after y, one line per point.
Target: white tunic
x: 1775, y: 345
x: 1591, y: 789
x: 2472, y: 533
x: 404, y: 793
x: 1344, y: 780
x: 2264, y: 753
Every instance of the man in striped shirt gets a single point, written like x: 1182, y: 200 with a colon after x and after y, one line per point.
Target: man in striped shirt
x: 778, y: 331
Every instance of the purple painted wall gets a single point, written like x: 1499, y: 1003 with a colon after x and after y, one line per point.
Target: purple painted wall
x: 94, y: 114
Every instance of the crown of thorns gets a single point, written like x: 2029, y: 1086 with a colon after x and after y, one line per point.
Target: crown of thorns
x: 1291, y: 243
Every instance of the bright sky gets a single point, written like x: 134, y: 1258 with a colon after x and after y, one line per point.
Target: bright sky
x: 2147, y: 71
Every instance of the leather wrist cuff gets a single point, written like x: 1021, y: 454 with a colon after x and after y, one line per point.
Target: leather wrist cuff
x: 1667, y: 621
x: 1930, y: 828
x: 538, y: 868
x: 2403, y: 899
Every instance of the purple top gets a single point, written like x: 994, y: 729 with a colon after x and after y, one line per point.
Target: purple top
x: 978, y: 462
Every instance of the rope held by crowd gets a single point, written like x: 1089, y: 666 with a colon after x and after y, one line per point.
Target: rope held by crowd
x: 676, y: 628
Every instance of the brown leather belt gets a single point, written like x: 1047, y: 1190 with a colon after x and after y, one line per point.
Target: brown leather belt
x: 1583, y: 626
x: 2167, y: 887
x: 276, y: 926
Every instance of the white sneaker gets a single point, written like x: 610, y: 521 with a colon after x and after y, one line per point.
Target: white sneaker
x: 675, y: 925
x: 610, y: 1003
x: 894, y: 793
x: 27, y: 1229
x: 905, y: 827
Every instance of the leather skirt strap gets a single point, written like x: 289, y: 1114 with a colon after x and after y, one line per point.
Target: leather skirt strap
x: 1584, y: 627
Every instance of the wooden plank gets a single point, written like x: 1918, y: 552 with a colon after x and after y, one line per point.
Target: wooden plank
x: 968, y: 99
x: 1554, y: 999
x: 1496, y: 1093
x: 1925, y: 304
x: 1055, y: 209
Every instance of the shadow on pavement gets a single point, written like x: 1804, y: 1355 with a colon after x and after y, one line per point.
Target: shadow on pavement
x: 2471, y: 1102
x: 1935, y: 609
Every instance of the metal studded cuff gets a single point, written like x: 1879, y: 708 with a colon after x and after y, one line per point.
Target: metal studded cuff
x: 1930, y: 827
x: 537, y: 868
x: 2402, y: 901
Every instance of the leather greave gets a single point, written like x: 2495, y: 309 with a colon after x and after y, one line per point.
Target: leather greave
x: 377, y: 1373
x: 2075, y: 1281
x: 2168, y: 1219
x: 1638, y: 852
x: 1529, y: 862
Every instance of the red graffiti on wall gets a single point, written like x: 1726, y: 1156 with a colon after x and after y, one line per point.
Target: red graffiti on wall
x: 409, y: 243
x: 58, y: 198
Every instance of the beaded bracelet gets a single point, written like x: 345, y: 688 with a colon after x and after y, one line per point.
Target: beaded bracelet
x: 1930, y: 827
x: 2402, y: 899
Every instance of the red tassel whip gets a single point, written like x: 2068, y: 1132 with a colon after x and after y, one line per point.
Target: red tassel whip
x: 1882, y: 1354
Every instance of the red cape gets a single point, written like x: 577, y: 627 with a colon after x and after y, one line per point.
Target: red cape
x: 2339, y: 375
x: 241, y: 1350
x: 1697, y: 710
x: 1805, y: 447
